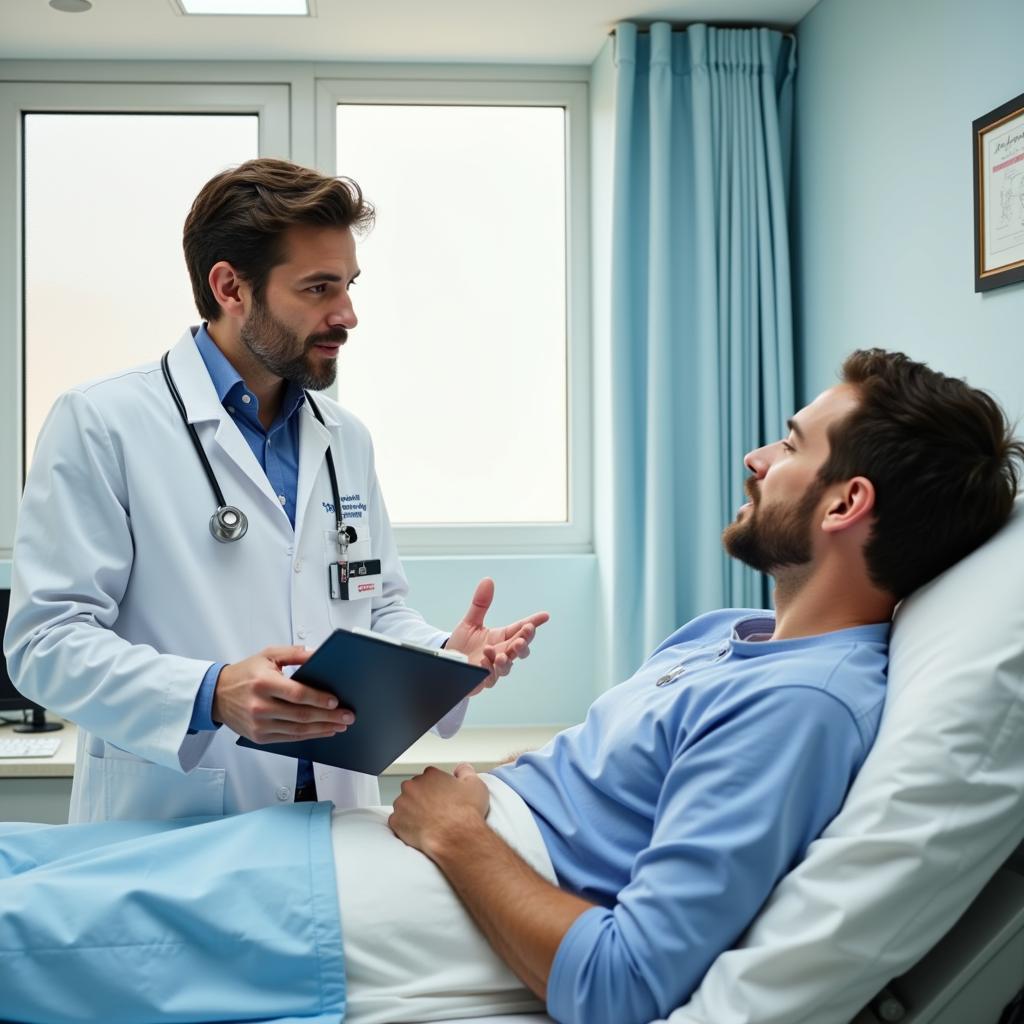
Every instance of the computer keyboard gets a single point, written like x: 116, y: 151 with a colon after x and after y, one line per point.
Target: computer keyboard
x: 29, y: 746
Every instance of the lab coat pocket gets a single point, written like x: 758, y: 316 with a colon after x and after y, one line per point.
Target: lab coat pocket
x: 358, y: 551
x: 135, y: 789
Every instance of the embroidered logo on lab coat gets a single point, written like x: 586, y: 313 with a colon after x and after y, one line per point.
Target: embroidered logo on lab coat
x: 352, y: 506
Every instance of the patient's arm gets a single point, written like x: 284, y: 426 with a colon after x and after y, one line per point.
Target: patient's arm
x: 738, y: 807
x: 523, y: 916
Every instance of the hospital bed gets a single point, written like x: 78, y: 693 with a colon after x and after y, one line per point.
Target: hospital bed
x: 910, y: 906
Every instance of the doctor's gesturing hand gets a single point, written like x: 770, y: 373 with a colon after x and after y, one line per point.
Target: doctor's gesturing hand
x: 494, y: 649
x: 258, y: 701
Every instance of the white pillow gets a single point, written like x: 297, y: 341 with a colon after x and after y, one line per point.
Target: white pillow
x: 937, y: 807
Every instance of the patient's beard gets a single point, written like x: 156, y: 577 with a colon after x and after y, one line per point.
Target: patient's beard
x: 775, y: 539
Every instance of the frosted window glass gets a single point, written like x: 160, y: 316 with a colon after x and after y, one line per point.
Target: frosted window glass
x: 458, y: 365
x: 106, y: 197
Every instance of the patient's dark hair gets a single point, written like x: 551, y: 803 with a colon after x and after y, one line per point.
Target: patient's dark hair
x: 241, y: 215
x: 942, y: 459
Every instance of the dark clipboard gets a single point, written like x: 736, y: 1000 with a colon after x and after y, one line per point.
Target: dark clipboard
x: 397, y: 691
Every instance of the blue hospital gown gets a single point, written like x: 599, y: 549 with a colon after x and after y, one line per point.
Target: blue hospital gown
x: 677, y: 807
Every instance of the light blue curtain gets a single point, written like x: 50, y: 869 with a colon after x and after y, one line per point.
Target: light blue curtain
x: 701, y: 349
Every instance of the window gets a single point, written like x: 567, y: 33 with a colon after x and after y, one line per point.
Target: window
x: 92, y: 278
x: 463, y: 305
x: 468, y: 362
x: 105, y: 199
x: 65, y: 221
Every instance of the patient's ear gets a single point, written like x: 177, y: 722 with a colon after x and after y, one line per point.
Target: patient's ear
x: 850, y: 503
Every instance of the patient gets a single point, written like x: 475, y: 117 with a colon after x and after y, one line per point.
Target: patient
x: 601, y: 875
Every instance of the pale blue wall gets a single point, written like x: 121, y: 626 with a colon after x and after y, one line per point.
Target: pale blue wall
x: 557, y: 683
x: 886, y: 93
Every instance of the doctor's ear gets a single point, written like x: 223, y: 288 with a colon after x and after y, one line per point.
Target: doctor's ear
x: 851, y: 502
x: 229, y: 289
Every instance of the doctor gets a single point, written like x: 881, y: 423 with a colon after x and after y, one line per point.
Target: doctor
x: 146, y: 620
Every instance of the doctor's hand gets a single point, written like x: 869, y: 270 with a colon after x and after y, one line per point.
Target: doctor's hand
x: 494, y: 649
x: 258, y: 701
x: 434, y: 807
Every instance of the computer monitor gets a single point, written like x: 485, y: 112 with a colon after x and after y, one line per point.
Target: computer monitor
x: 10, y: 698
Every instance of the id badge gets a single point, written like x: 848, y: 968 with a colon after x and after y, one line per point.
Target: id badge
x: 354, y: 581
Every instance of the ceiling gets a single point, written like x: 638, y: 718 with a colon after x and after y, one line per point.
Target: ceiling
x: 513, y: 31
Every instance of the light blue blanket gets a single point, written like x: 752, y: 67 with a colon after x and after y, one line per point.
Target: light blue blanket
x: 197, y: 920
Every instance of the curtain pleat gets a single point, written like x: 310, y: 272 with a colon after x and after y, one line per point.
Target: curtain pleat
x: 701, y: 322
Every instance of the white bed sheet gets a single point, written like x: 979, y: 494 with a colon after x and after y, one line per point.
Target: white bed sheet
x: 395, y: 968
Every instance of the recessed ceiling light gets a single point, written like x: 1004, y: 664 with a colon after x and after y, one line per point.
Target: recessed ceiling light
x: 258, y: 7
x: 70, y: 6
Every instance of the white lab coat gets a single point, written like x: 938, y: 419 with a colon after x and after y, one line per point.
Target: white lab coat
x: 121, y: 598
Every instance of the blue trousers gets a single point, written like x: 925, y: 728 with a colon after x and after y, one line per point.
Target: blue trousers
x: 196, y: 920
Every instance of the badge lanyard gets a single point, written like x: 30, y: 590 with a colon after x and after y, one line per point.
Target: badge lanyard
x: 346, y: 581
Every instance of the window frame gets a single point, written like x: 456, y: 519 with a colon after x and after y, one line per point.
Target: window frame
x: 296, y: 104
x: 574, y: 535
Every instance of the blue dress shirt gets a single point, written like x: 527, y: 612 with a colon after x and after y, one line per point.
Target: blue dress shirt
x: 277, y: 450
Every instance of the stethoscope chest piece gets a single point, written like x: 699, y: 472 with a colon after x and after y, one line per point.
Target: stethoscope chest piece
x: 228, y: 523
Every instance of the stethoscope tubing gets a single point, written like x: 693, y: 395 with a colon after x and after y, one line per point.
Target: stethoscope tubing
x: 223, y: 525
x: 193, y: 435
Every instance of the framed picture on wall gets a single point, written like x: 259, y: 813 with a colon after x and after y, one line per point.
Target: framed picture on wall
x: 998, y: 139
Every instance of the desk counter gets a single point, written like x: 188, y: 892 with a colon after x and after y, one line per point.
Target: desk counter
x: 39, y: 788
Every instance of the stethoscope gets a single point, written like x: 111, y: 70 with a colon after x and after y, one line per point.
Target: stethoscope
x: 229, y: 523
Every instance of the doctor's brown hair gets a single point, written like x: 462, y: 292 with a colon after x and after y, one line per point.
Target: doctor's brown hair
x: 241, y: 216
x: 942, y: 459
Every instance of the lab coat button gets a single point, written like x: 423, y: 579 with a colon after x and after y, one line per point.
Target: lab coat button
x: 284, y: 793
x: 298, y: 565
x: 301, y: 634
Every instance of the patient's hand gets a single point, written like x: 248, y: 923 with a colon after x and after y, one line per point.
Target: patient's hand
x: 434, y: 807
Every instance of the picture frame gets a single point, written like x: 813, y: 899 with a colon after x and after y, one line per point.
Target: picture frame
x: 998, y: 143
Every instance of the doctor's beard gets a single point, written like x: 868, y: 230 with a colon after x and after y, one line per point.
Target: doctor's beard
x: 282, y: 352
